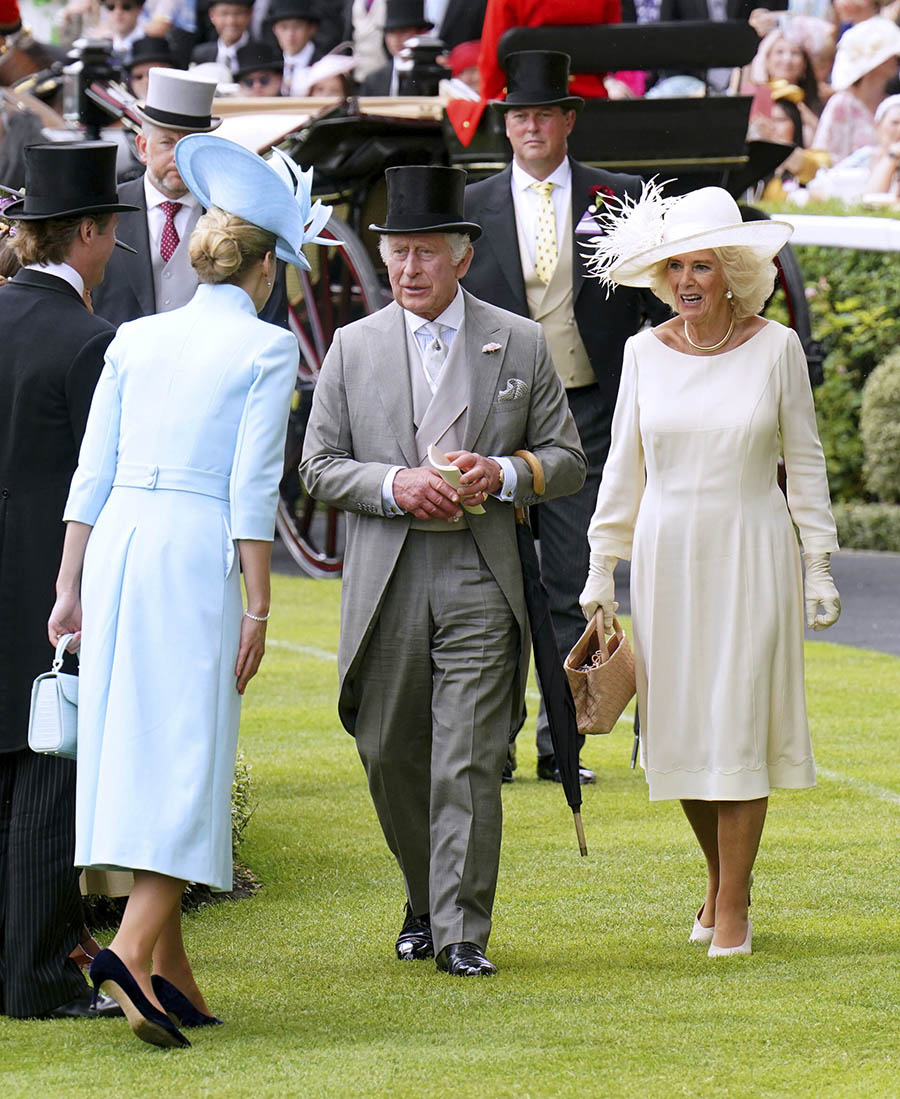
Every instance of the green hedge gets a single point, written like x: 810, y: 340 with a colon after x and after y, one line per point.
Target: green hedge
x: 879, y: 422
x: 853, y: 309
x: 868, y: 526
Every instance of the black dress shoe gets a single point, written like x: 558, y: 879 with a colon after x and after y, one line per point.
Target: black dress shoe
x: 464, y: 960
x: 414, y: 941
x: 83, y: 1008
x: 547, y: 771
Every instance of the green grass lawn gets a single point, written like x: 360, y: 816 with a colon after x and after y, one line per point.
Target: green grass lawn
x: 599, y: 991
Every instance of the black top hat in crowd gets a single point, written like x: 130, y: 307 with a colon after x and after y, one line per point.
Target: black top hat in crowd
x: 405, y: 13
x: 538, y: 78
x: 65, y: 180
x: 426, y: 199
x: 256, y: 56
x: 150, y: 48
x: 293, y: 9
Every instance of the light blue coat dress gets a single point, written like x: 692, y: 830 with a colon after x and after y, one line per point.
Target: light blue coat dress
x: 182, y: 456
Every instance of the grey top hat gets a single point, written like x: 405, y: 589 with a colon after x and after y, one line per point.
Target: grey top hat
x: 178, y: 101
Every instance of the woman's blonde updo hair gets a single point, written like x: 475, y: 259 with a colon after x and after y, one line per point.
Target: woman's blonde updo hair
x: 223, y: 246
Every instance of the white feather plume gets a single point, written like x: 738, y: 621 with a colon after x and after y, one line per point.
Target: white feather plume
x: 629, y: 226
x: 313, y: 215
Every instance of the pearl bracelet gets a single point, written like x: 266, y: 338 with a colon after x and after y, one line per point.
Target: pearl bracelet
x: 256, y: 617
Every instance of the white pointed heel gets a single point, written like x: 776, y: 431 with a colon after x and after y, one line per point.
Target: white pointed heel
x: 701, y: 934
x: 725, y: 951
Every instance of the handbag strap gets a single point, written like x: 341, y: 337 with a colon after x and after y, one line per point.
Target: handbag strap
x: 597, y: 624
x: 61, y: 647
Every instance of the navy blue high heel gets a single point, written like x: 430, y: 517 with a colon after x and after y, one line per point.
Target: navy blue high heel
x: 109, y: 974
x: 176, y: 1003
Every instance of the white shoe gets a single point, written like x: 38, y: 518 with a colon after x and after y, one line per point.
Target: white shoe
x: 744, y: 948
x: 701, y: 934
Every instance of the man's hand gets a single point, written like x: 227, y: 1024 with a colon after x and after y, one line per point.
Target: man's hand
x: 425, y: 494
x: 481, y: 477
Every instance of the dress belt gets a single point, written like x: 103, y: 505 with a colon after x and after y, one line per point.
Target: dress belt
x: 177, y: 478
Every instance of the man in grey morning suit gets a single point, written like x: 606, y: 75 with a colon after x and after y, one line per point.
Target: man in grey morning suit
x: 434, y: 640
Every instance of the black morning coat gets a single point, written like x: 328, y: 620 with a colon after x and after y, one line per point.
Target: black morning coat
x: 51, y: 357
x: 604, y: 323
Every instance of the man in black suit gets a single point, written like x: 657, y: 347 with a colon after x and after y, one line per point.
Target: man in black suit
x: 231, y: 21
x: 405, y: 19
x: 53, y: 350
x: 536, y: 220
x: 156, y: 276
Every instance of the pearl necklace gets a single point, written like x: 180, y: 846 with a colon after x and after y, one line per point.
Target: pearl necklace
x: 712, y: 347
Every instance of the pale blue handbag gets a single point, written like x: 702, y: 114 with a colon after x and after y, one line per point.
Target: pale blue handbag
x: 53, y: 722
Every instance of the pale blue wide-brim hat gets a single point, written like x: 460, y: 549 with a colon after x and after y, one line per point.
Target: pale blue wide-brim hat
x: 273, y: 194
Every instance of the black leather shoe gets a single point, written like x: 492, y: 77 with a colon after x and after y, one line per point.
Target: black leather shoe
x: 464, y: 960
x: 82, y: 1008
x: 547, y: 771
x: 414, y: 941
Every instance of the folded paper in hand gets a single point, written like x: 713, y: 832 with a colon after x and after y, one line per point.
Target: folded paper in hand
x: 451, y: 475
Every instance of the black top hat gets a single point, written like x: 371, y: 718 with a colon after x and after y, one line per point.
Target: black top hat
x: 240, y: 3
x: 538, y: 78
x: 405, y: 13
x: 150, y: 48
x: 426, y: 199
x: 258, y: 55
x: 64, y: 180
x: 293, y: 9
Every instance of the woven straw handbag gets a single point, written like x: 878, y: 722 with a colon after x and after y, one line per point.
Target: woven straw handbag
x: 601, y: 674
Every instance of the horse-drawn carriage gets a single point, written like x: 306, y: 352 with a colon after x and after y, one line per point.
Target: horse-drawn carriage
x: 689, y: 141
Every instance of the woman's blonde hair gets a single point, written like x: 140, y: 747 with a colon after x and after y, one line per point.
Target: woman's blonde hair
x: 750, y: 281
x: 224, y: 246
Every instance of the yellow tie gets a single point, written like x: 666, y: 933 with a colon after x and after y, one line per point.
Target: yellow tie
x: 546, y: 251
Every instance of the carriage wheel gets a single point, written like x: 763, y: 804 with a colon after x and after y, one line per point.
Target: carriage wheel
x: 341, y: 287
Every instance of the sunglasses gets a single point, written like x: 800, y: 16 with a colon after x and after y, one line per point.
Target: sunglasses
x: 263, y: 80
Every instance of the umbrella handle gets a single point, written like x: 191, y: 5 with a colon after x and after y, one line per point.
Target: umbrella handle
x: 579, y: 831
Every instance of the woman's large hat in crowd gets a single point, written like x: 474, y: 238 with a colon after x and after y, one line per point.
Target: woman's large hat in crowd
x: 424, y: 198
x: 273, y: 194
x: 862, y: 48
x: 638, y: 234
x: 177, y: 100
x: 66, y: 180
x: 538, y: 78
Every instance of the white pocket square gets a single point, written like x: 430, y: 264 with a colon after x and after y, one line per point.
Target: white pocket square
x: 513, y: 390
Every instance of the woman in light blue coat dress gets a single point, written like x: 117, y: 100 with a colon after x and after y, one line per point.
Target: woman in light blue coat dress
x: 175, y: 494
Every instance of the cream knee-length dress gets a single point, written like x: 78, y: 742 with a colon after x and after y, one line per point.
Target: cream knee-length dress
x: 690, y: 495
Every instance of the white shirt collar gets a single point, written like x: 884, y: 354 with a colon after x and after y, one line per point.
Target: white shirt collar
x: 62, y: 271
x: 452, y: 317
x: 227, y: 55
x: 561, y: 176
x: 154, y: 196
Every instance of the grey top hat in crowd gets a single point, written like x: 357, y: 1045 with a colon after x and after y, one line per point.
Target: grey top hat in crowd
x: 426, y: 199
x: 65, y: 180
x: 538, y: 78
x: 176, y: 100
x: 405, y: 13
x: 293, y: 9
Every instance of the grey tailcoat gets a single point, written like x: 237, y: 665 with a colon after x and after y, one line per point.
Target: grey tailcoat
x: 361, y: 425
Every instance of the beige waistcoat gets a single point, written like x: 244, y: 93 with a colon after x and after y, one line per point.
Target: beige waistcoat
x: 553, y: 307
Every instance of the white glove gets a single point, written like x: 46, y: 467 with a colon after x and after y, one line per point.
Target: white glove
x: 820, y: 589
x: 600, y: 590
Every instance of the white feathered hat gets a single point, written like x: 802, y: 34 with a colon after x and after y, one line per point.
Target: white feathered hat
x: 273, y: 194
x: 638, y: 233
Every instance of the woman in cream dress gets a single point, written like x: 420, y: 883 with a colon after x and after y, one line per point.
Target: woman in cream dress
x: 690, y: 495
x: 175, y: 495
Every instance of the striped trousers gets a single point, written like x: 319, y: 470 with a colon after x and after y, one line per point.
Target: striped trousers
x: 40, y: 904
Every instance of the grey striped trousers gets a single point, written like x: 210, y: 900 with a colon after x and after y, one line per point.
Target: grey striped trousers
x: 40, y: 904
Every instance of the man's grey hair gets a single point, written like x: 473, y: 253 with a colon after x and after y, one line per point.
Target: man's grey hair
x: 458, y: 243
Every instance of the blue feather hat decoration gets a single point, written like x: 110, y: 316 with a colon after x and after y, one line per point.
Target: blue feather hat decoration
x: 273, y: 194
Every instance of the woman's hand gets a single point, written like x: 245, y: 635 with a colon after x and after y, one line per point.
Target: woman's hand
x: 65, y: 618
x: 820, y: 588
x: 600, y: 590
x: 250, y: 651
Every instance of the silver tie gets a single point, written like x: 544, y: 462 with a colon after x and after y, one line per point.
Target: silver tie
x: 435, y: 354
